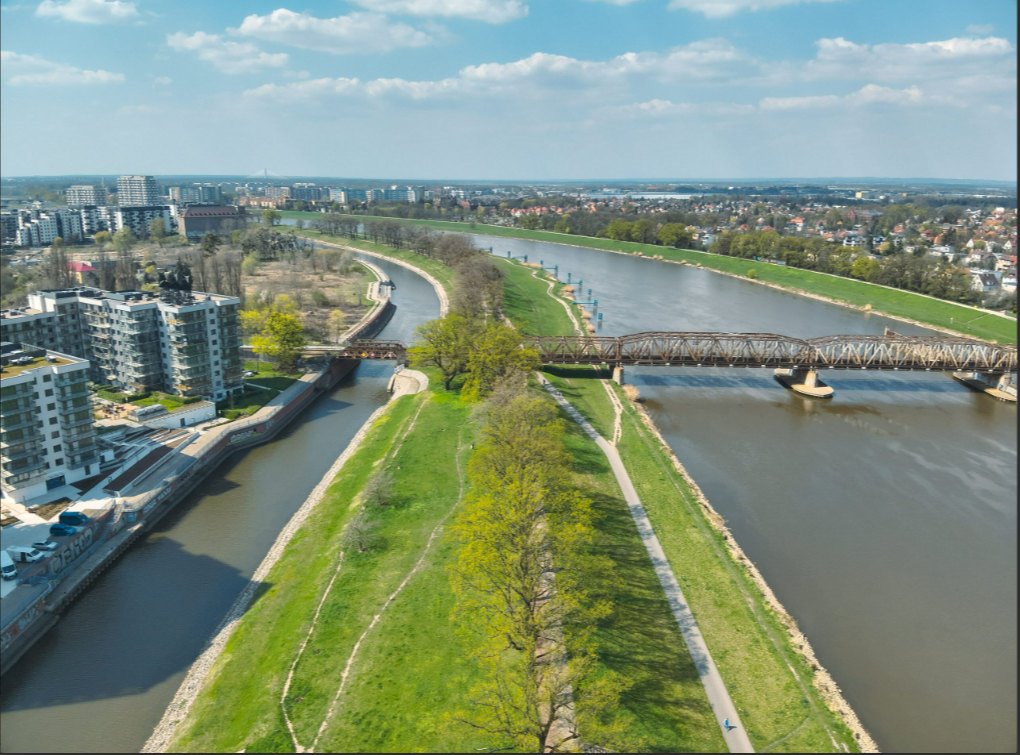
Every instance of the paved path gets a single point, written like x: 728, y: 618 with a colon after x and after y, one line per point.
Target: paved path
x: 725, y: 711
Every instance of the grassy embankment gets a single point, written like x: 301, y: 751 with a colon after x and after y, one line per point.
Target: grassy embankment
x: 882, y: 300
x: 410, y: 710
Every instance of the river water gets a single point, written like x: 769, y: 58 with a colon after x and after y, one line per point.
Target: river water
x: 884, y: 519
x: 101, y: 679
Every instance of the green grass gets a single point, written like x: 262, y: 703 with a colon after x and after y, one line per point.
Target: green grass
x: 902, y: 304
x: 410, y: 669
x: 749, y: 645
x: 527, y: 305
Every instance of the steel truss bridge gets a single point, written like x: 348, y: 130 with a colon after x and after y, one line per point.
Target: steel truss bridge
x: 845, y: 352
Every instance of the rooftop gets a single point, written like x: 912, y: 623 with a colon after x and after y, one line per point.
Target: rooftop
x: 11, y: 369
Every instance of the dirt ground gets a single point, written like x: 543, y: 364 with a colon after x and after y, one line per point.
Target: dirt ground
x: 316, y: 294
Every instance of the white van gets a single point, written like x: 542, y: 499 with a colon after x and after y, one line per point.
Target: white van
x: 7, y: 568
x: 25, y: 554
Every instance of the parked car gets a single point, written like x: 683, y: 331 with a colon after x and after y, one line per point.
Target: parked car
x: 7, y: 568
x: 74, y: 518
x: 25, y: 554
x: 62, y: 530
x: 46, y: 545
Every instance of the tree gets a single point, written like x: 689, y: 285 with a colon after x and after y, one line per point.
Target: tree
x: 270, y: 216
x: 380, y: 490
x: 444, y: 344
x: 56, y: 264
x: 281, y: 340
x: 675, y: 235
x: 157, y: 231
x: 124, y: 240
x: 522, y: 583
x: 495, y: 356
x: 210, y: 243
x: 336, y: 324
x: 358, y: 532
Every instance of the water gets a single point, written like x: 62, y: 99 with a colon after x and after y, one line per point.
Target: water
x: 884, y: 519
x: 101, y: 679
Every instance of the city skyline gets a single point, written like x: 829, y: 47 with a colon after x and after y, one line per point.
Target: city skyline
x: 512, y: 90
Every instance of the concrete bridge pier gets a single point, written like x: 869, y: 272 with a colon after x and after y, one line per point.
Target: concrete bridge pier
x: 1001, y: 387
x: 618, y: 374
x: 803, y: 381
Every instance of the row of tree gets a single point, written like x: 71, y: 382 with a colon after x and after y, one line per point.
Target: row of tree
x: 918, y: 272
x: 522, y: 581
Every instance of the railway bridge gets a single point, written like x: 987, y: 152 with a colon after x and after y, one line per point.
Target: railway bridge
x: 796, y: 361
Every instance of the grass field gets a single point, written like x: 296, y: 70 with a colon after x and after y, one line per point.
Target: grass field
x: 781, y: 711
x: 896, y: 303
x: 410, y: 669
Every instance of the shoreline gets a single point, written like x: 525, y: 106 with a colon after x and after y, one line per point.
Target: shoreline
x: 821, y: 680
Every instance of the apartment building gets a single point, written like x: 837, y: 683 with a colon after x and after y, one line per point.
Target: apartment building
x: 80, y: 195
x: 185, y: 343
x: 47, y: 435
x: 137, y: 191
x: 139, y: 218
x: 41, y: 227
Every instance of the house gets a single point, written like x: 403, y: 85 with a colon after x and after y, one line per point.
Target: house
x: 984, y: 281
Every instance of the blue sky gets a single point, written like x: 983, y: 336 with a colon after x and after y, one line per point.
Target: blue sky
x: 510, y: 89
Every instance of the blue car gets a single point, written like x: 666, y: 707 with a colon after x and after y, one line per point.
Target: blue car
x: 60, y: 530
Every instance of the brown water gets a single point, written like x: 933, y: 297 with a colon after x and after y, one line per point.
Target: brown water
x: 101, y: 679
x: 884, y: 519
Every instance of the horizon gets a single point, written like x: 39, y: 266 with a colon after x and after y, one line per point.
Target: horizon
x: 529, y: 91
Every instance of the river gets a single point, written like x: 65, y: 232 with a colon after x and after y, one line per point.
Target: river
x: 101, y: 679
x: 884, y: 519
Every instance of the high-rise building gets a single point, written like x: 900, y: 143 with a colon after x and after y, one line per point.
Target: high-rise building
x: 41, y: 227
x: 80, y: 195
x: 47, y: 434
x: 136, y: 191
x: 185, y: 343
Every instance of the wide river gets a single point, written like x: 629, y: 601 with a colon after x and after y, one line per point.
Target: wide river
x: 884, y: 519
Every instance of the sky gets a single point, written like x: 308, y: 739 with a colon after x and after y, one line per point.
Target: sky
x: 524, y: 90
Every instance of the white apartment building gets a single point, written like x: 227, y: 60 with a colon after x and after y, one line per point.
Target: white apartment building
x: 185, y: 343
x: 138, y: 218
x: 47, y: 435
x: 80, y: 195
x: 137, y: 191
x: 40, y: 228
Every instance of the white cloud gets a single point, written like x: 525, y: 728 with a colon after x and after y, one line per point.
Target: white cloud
x: 666, y: 108
x: 725, y: 8
x: 229, y: 57
x: 980, y: 29
x: 89, y: 11
x: 840, y: 58
x: 489, y: 11
x: 869, y: 94
x: 21, y: 69
x: 353, y: 33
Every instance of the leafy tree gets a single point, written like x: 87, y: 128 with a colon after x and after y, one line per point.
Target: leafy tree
x: 675, y: 235
x: 124, y: 240
x: 270, y: 216
x: 522, y: 579
x: 101, y: 237
x: 281, y: 339
x: 157, y: 231
x: 336, y: 324
x: 496, y: 356
x: 444, y: 344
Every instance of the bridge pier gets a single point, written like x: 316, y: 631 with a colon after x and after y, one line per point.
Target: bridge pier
x: 618, y: 374
x: 803, y: 381
x: 1001, y: 387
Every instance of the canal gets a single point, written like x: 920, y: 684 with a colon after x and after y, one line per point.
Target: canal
x: 101, y: 679
x: 885, y: 519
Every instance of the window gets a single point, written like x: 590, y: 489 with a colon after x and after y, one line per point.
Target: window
x: 49, y: 392
x: 53, y: 421
x: 56, y: 448
x: 47, y: 378
x: 55, y: 434
x: 58, y: 462
x: 50, y: 407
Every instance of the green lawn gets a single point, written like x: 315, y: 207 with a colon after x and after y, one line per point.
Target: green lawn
x: 783, y: 712
x: 526, y: 304
x: 902, y: 304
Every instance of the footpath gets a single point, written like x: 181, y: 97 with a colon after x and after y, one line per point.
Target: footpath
x: 718, y: 697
